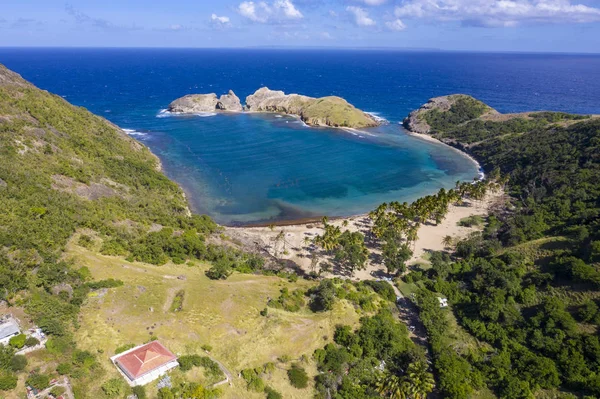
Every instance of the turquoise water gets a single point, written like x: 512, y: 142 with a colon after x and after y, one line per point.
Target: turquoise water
x: 244, y: 169
x: 250, y: 168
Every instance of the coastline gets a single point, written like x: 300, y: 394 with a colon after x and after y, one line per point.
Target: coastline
x: 431, y: 139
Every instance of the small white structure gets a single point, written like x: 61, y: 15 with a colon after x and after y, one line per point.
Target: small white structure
x: 144, y: 363
x: 9, y: 328
x: 443, y: 302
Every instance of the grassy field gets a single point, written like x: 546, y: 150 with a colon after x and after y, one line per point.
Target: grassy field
x: 223, y: 314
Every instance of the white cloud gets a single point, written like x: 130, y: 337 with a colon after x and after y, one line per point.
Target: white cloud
x: 262, y: 12
x: 255, y: 12
x: 361, y: 16
x: 396, y: 25
x: 220, y: 20
x: 288, y: 9
x: 326, y: 36
x: 373, y: 2
x: 333, y: 14
x: 498, y: 13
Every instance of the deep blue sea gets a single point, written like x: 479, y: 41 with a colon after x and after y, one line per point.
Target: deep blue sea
x: 261, y: 168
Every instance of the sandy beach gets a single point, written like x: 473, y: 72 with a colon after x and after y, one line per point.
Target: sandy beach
x: 297, y: 247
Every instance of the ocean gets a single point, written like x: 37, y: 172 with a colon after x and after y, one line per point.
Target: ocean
x: 246, y: 169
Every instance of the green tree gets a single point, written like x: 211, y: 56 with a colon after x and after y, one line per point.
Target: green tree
x: 297, y: 376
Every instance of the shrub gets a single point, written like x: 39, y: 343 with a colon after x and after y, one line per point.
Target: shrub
x: 57, y: 391
x: 272, y: 394
x: 113, y: 387
x: 8, y: 382
x: 108, y: 283
x: 140, y: 392
x: 85, y: 241
x: 18, y: 341
x: 124, y: 348
x: 18, y: 363
x: 298, y: 377
x: 31, y: 341
x: 38, y: 381
x: 206, y: 347
x: 64, y: 368
x: 383, y: 288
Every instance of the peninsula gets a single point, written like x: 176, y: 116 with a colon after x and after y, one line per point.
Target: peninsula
x: 328, y: 111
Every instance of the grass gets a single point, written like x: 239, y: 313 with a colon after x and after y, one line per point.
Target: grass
x: 223, y: 314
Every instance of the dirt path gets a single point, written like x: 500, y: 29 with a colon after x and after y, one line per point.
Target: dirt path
x: 228, y: 375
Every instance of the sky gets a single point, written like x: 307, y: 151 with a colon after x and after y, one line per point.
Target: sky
x: 463, y: 25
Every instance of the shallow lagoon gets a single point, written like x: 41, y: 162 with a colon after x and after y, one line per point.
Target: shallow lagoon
x: 259, y: 168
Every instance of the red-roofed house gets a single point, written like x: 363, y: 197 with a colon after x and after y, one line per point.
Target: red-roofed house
x: 145, y: 363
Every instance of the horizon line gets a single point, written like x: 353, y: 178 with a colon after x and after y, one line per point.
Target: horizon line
x: 324, y: 48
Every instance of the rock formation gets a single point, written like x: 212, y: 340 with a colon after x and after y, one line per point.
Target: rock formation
x: 197, y: 103
x: 326, y: 111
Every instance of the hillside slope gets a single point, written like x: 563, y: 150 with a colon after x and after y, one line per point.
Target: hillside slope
x: 529, y: 284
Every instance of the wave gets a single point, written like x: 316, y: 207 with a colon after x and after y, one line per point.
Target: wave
x: 135, y: 133
x: 165, y: 113
x: 377, y: 117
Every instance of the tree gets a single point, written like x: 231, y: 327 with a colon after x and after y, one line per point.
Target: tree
x: 421, y: 381
x: 447, y: 242
x: 8, y: 381
x: 391, y: 386
x: 18, y: 341
x: 38, y: 381
x: 298, y: 377
x: 323, y: 296
x: 18, y: 363
x: 351, y: 251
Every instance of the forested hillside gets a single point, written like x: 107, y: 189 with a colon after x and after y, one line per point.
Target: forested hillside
x: 529, y: 283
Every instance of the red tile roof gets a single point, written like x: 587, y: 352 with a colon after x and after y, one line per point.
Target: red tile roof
x: 144, y: 359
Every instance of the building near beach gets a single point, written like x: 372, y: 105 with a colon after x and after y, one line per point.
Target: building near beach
x: 144, y: 363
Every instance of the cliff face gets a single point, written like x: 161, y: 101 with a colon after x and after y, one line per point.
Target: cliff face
x: 326, y: 111
x: 196, y: 103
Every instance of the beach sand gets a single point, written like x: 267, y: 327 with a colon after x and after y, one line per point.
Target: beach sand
x: 297, y: 249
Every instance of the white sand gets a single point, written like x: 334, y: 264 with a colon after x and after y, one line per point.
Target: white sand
x: 297, y: 249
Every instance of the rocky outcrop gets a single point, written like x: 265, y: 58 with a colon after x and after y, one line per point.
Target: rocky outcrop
x: 229, y: 102
x: 326, y: 111
x: 198, y: 103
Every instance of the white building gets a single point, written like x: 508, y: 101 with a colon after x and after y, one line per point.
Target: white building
x: 443, y: 302
x: 8, y: 329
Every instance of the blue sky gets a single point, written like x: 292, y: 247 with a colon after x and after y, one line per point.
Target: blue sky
x: 496, y: 25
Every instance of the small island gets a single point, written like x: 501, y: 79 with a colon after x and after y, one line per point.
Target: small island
x: 328, y: 111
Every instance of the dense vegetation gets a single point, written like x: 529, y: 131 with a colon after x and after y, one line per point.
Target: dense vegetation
x: 63, y: 172
x: 527, y: 285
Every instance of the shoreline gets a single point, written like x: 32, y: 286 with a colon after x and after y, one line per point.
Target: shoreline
x: 431, y: 139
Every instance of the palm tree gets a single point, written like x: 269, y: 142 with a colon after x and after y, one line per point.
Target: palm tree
x: 391, y: 386
x: 447, y: 241
x: 420, y: 380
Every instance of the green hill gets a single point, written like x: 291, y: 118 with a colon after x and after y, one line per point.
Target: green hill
x: 529, y: 284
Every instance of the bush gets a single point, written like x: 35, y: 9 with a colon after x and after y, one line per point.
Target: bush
x: 18, y: 341
x: 124, y: 348
x: 108, y: 283
x: 272, y: 394
x: 18, y: 363
x: 114, y: 387
x: 8, y: 382
x: 31, y: 341
x: 64, y: 368
x: 298, y: 377
x: 57, y: 391
x: 383, y: 288
x: 38, y: 381
x: 140, y: 392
